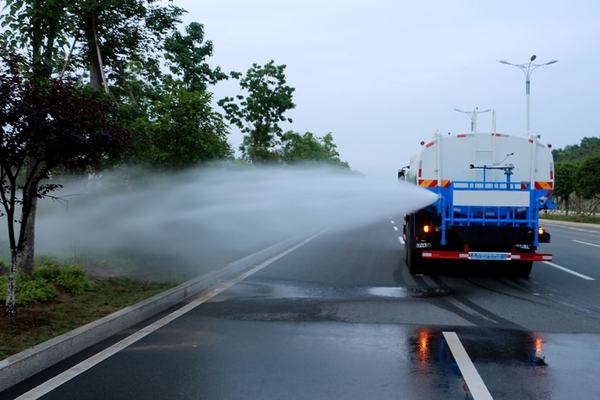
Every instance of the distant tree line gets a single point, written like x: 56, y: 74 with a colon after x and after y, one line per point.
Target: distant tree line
x: 89, y: 84
x: 577, y: 176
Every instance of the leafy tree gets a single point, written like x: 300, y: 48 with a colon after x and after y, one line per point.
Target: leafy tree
x: 101, y: 36
x: 589, y: 147
x: 565, y: 181
x: 588, y: 179
x: 184, y: 130
x: 37, y: 30
x: 308, y: 147
x: 43, y: 128
x: 115, y: 33
x: 186, y: 56
x: 260, y: 112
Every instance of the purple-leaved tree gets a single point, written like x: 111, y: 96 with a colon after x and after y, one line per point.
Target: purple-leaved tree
x: 42, y: 128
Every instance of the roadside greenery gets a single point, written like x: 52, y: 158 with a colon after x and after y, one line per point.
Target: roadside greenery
x: 39, y: 321
x: 571, y: 218
x: 86, y: 85
x: 577, y: 176
x: 49, y: 279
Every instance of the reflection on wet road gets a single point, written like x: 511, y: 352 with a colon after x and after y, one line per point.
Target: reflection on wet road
x: 342, y: 318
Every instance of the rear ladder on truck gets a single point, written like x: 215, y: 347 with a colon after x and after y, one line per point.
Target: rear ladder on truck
x: 507, y: 205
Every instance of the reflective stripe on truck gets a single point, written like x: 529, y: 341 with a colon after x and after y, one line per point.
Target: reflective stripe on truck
x: 431, y: 183
x: 482, y: 255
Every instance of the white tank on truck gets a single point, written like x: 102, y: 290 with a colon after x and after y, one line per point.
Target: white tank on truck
x: 491, y: 187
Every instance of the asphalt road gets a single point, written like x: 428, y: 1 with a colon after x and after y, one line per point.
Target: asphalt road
x: 341, y: 317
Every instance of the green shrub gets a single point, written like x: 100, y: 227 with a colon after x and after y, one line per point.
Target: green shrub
x: 29, y: 290
x: 34, y: 291
x: 69, y: 277
x: 73, y: 280
x: 49, y: 273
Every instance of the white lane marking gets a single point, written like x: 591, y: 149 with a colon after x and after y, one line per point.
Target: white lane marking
x: 582, y: 276
x: 396, y: 228
x: 476, y: 386
x: 401, y: 240
x: 83, y: 366
x: 392, y: 221
x: 587, y: 243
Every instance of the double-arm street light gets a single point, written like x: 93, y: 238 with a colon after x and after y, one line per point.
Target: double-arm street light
x: 528, y: 70
x: 473, y: 115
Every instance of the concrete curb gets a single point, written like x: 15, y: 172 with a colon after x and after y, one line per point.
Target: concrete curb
x: 29, y: 362
x: 580, y: 224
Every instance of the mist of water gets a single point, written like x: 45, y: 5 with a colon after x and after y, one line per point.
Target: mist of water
x: 155, y: 225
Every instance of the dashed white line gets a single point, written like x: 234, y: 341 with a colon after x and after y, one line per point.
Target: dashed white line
x: 392, y: 221
x: 401, y: 240
x: 567, y: 270
x: 472, y: 378
x: 83, y: 366
x: 396, y: 228
x: 587, y: 243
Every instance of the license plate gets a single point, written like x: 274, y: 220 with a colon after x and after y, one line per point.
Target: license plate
x: 488, y: 256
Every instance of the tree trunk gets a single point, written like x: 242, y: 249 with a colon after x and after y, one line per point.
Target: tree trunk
x: 567, y: 205
x: 10, y: 307
x: 26, y: 255
x: 92, y: 54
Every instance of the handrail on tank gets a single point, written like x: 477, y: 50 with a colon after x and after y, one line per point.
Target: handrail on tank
x: 478, y: 215
x: 490, y: 185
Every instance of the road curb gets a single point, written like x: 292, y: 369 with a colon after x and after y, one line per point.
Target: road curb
x: 29, y: 362
x: 580, y: 224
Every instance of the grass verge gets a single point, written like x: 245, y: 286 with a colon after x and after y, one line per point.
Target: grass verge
x: 572, y: 218
x: 38, y: 322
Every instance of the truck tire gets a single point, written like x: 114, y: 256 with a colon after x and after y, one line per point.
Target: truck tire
x: 413, y: 259
x: 522, y: 269
x: 415, y: 264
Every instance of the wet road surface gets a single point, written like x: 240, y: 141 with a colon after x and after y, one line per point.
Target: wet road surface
x: 341, y: 317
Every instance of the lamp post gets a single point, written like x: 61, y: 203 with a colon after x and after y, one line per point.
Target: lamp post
x: 473, y: 115
x: 528, y: 70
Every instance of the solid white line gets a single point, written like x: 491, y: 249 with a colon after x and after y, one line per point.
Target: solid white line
x: 396, y: 228
x: 582, y: 276
x: 401, y: 240
x: 587, y: 243
x: 476, y: 386
x: 83, y: 366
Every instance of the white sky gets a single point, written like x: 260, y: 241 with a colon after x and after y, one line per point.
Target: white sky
x: 383, y: 75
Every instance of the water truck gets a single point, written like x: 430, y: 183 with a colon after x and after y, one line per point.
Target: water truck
x: 490, y: 189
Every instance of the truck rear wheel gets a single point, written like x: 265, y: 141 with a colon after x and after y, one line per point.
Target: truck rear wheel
x: 522, y: 269
x: 413, y: 260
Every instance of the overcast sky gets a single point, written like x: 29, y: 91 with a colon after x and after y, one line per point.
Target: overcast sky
x: 383, y: 75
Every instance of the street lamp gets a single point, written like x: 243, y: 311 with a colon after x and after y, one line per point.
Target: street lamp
x: 473, y: 115
x: 528, y: 70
